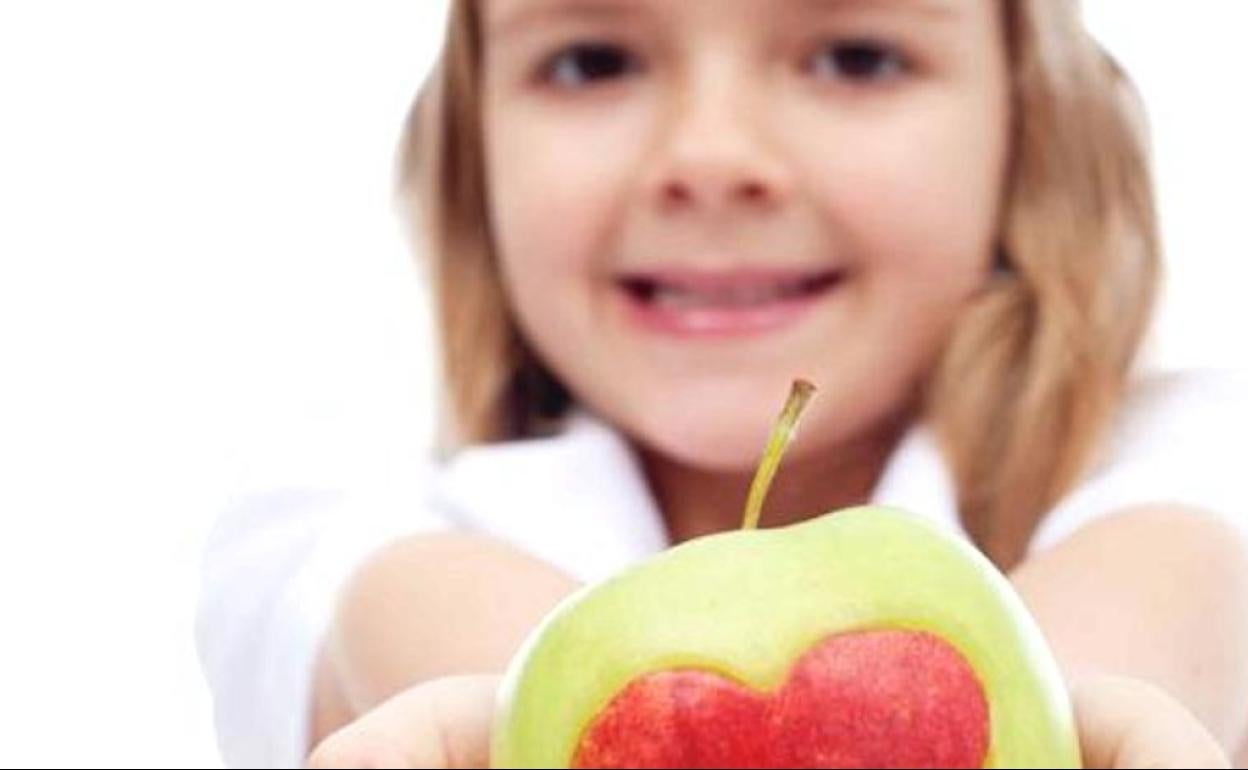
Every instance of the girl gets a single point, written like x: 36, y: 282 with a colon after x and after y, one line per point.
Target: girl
x: 645, y: 219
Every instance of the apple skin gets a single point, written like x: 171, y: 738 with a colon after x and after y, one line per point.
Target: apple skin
x: 748, y: 604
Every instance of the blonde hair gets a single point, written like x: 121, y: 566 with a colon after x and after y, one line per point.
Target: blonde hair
x: 1035, y: 366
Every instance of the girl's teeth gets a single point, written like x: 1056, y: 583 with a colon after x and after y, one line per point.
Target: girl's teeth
x: 752, y: 295
x: 676, y: 299
x: 740, y: 296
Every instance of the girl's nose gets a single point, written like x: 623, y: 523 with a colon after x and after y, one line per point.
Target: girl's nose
x: 716, y: 152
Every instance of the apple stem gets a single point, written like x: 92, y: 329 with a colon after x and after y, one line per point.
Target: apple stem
x: 781, y: 434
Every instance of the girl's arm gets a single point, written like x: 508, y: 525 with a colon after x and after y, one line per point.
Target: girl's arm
x: 1155, y: 595
x: 1159, y: 594
x: 423, y: 608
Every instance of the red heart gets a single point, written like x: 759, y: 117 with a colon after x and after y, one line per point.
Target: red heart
x: 860, y: 699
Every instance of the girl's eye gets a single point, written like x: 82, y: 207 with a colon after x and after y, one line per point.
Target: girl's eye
x: 858, y: 60
x: 584, y: 63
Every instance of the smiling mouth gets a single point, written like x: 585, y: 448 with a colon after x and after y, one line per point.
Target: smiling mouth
x: 728, y: 290
x: 726, y: 303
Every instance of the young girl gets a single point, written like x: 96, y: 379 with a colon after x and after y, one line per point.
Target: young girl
x: 645, y: 218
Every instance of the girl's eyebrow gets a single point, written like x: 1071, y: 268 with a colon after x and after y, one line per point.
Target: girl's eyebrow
x: 519, y: 16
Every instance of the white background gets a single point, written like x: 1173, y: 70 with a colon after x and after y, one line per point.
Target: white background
x: 203, y: 290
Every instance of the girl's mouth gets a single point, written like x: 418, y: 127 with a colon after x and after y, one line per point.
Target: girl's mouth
x: 718, y: 304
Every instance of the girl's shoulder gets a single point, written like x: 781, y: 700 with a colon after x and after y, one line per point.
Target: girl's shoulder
x: 1176, y: 439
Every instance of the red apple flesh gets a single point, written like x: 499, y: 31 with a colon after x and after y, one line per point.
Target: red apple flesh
x: 889, y: 698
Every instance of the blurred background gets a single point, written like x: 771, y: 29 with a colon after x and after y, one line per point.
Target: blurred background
x: 204, y: 292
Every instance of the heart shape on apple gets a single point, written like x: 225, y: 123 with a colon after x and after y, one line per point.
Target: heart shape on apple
x: 866, y: 637
x: 851, y: 701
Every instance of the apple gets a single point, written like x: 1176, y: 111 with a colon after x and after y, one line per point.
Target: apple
x: 865, y: 637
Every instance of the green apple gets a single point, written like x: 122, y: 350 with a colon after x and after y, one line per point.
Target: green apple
x: 865, y: 637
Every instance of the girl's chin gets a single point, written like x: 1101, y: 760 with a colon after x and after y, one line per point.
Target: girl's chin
x: 729, y: 436
x: 725, y: 445
x: 709, y: 458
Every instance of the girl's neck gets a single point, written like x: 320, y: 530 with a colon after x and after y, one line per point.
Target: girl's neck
x: 698, y: 502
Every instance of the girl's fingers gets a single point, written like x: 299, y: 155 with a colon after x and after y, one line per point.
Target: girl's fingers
x: 444, y: 723
x: 1126, y: 723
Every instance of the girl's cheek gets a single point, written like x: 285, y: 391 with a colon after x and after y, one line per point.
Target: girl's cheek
x: 925, y: 205
x: 561, y: 183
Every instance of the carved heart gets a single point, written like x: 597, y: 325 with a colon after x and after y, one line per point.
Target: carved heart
x: 862, y: 699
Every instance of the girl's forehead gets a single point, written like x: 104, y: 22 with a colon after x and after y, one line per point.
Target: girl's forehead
x: 507, y: 12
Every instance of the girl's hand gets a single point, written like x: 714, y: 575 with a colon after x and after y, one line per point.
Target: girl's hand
x: 445, y: 723
x: 1128, y: 723
x: 439, y: 723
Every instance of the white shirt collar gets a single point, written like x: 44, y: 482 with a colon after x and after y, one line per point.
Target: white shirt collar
x: 580, y: 500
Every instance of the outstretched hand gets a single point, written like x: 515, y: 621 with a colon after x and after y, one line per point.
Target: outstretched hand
x: 442, y: 723
x: 445, y: 723
x: 1128, y: 723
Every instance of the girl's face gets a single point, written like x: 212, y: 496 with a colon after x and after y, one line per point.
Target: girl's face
x: 695, y: 202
